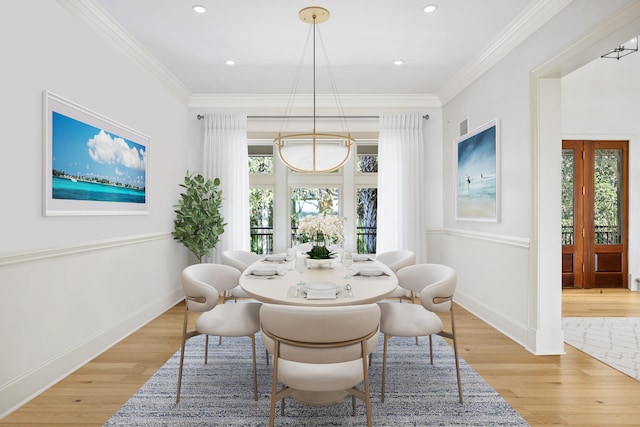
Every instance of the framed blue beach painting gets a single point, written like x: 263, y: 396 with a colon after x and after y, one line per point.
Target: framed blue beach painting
x: 92, y: 165
x: 477, y: 161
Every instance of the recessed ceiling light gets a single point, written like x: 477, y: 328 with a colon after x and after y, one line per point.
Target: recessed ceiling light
x: 198, y: 8
x: 430, y: 8
x: 398, y: 62
x: 229, y: 62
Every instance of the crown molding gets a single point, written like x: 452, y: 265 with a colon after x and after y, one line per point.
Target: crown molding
x: 98, y: 19
x: 359, y: 101
x: 530, y: 20
x: 537, y: 14
x: 622, y: 26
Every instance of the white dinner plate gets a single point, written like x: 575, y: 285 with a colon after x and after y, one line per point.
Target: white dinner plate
x: 370, y: 271
x: 321, y: 286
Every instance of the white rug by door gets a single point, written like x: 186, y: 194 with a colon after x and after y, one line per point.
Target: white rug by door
x: 612, y: 340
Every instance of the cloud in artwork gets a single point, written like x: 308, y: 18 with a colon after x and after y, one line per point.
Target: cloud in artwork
x: 103, y: 148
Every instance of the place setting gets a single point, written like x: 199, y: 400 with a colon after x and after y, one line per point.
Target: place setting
x: 277, y: 258
x: 263, y: 271
x: 320, y: 291
x: 368, y: 271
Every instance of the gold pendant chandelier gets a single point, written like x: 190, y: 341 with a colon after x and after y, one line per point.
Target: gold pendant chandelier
x: 314, y: 152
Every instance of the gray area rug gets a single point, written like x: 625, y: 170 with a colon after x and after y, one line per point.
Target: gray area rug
x: 612, y: 340
x: 221, y: 392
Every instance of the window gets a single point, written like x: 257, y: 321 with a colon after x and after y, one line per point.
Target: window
x: 261, y: 218
x: 279, y: 198
x: 312, y: 201
x: 261, y: 198
x: 366, y: 198
x: 367, y: 211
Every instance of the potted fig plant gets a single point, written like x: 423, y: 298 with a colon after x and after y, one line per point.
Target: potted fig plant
x: 199, y: 223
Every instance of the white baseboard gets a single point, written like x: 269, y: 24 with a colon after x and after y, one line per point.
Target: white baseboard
x: 40, y: 378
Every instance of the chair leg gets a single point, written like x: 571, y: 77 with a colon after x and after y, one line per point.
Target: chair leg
x: 455, y: 353
x: 413, y: 301
x: 430, y: 348
x: 206, y: 349
x: 367, y: 389
x: 255, y: 374
x: 353, y: 406
x: 184, y: 340
x: 274, y: 386
x: 384, y: 365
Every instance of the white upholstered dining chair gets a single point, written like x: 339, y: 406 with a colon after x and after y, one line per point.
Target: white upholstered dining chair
x: 435, y: 284
x: 320, y: 349
x: 240, y: 260
x: 202, y: 285
x: 396, y: 260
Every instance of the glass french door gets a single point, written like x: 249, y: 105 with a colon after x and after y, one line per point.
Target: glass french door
x: 594, y: 214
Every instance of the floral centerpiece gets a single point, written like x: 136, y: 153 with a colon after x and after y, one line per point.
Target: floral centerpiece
x: 321, y: 230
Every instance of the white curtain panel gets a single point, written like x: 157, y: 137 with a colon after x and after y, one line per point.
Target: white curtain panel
x: 226, y: 157
x: 401, y: 185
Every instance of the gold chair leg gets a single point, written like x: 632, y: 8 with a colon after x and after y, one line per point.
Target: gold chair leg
x: 455, y: 353
x: 206, y: 349
x: 184, y: 340
x: 255, y: 374
x: 367, y: 389
x: 384, y: 365
x: 431, y: 348
x: 274, y: 386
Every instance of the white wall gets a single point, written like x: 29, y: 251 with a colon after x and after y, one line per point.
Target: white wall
x: 600, y: 102
x: 70, y: 287
x: 499, y: 264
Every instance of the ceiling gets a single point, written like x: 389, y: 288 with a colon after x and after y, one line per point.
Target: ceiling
x: 361, y: 40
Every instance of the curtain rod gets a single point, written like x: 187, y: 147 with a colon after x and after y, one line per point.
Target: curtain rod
x: 201, y: 116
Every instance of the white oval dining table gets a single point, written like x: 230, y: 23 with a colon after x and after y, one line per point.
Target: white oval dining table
x: 281, y: 289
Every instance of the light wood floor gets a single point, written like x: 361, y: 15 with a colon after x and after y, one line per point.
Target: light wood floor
x: 568, y: 390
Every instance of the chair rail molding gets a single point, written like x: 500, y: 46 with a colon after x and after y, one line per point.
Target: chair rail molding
x: 38, y: 255
x: 520, y: 242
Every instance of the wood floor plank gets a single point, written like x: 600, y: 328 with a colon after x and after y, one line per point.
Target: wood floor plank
x: 569, y: 390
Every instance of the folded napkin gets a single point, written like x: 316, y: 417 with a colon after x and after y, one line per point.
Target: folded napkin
x: 360, y: 257
x: 276, y: 258
x: 267, y: 270
x: 368, y: 271
x: 323, y: 294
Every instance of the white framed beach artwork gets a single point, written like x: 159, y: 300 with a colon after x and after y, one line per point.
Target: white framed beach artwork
x: 477, y: 169
x: 92, y: 165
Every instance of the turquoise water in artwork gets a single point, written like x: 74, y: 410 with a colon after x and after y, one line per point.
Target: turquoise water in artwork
x: 478, y: 189
x: 477, y: 197
x: 63, y: 188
